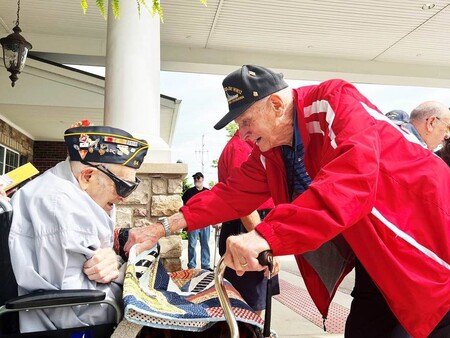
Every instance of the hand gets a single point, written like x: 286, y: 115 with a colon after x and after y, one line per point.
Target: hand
x: 146, y: 237
x: 275, y: 268
x: 243, y: 250
x: 103, y: 267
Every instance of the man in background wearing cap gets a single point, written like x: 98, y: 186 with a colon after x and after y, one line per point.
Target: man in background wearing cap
x: 346, y: 182
x: 204, y: 233
x: 62, y: 229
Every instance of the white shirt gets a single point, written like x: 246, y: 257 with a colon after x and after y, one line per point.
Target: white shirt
x: 56, y: 227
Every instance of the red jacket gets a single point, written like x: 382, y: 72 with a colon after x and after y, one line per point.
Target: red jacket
x: 236, y: 152
x: 373, y: 184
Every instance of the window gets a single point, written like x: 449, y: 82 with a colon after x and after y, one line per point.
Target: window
x: 9, y: 159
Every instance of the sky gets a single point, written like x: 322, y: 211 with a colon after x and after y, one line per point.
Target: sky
x: 203, y: 104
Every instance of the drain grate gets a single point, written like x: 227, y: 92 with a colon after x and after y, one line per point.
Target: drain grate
x: 298, y: 300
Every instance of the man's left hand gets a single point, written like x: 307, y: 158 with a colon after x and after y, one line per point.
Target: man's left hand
x: 103, y: 267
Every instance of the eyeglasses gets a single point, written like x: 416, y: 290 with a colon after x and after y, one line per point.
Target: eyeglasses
x: 123, y: 188
x: 197, y: 177
x: 446, y: 125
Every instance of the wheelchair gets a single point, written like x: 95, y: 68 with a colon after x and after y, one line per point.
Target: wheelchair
x: 11, y: 304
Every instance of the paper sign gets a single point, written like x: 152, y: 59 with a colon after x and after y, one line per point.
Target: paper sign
x: 17, y: 176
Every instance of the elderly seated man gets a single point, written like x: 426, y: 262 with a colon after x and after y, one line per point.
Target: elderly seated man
x: 62, y: 230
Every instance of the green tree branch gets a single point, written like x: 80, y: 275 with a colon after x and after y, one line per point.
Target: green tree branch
x: 155, y: 7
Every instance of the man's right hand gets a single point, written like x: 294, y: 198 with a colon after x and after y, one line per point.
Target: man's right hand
x: 147, y: 237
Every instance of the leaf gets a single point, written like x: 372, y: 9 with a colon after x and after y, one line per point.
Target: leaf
x: 84, y: 5
x: 204, y: 2
x: 116, y: 8
x: 157, y: 9
x: 139, y: 7
x: 101, y: 7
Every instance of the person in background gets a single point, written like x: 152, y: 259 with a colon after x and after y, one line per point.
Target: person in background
x: 429, y: 122
x: 346, y: 183
x: 425, y: 127
x: 444, y: 152
x: 202, y: 234
x: 252, y: 285
x: 62, y: 228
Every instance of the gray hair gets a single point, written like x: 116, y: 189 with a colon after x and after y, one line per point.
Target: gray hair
x: 427, y: 109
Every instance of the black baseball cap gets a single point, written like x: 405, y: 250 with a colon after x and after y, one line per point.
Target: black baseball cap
x: 245, y: 86
x: 198, y: 174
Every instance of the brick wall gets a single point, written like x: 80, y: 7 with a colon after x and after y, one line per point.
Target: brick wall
x: 47, y: 154
x: 14, y: 139
x: 42, y: 154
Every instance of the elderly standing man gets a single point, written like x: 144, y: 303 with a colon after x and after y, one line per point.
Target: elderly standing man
x: 375, y: 193
x: 62, y: 229
x: 429, y: 122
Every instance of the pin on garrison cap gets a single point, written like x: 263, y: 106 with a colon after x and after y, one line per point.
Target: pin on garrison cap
x: 105, y: 145
x: 245, y: 86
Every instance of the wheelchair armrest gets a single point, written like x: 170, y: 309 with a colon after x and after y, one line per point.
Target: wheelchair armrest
x: 42, y: 299
x: 45, y: 299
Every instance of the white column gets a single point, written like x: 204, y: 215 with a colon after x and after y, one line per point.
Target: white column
x: 132, y: 98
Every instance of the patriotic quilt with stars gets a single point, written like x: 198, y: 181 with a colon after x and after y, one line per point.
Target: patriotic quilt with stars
x: 183, y: 300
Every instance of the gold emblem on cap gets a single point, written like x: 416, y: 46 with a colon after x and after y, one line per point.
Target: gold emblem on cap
x: 255, y: 93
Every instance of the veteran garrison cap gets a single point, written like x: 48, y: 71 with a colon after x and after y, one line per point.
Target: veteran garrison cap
x: 245, y: 86
x: 105, y: 145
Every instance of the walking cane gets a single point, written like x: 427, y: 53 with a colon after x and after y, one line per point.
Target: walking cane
x: 265, y: 258
x: 216, y: 243
x: 224, y: 300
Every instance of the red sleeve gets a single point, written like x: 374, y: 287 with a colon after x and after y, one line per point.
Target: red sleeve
x: 344, y: 145
x: 233, y: 155
x: 245, y: 190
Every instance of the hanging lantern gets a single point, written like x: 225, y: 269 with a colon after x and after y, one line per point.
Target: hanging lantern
x: 15, y: 50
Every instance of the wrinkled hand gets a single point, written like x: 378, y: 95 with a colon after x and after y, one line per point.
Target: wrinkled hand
x: 146, y: 237
x: 243, y: 250
x: 103, y: 267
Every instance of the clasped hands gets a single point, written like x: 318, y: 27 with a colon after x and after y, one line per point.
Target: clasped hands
x: 103, y: 267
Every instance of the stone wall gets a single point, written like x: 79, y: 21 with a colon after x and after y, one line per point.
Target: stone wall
x: 159, y: 194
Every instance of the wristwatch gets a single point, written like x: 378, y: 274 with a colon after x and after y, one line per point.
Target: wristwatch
x: 165, y: 223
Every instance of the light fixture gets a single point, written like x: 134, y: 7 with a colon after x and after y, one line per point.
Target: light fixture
x: 15, y: 50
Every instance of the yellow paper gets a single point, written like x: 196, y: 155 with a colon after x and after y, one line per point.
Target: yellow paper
x: 17, y: 176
